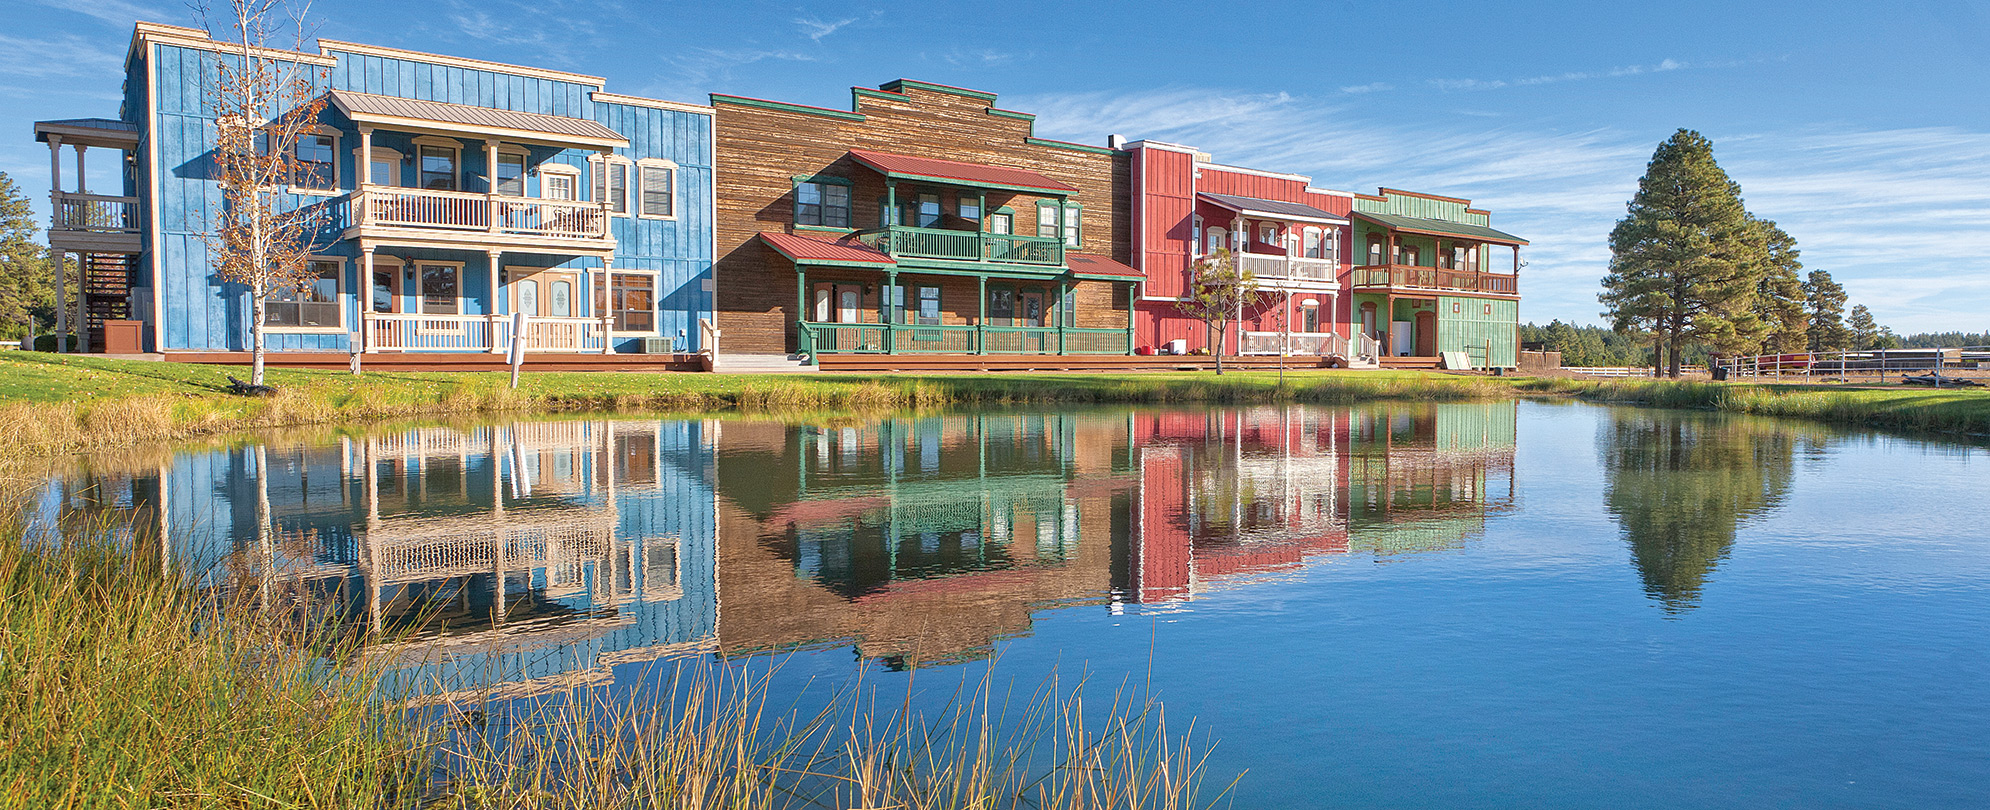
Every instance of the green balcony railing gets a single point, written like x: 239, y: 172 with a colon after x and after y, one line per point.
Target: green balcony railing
x: 913, y: 338
x: 965, y: 246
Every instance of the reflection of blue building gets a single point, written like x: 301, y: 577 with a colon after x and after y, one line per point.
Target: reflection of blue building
x: 508, y: 556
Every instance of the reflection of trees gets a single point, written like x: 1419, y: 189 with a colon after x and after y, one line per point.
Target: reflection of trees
x: 1680, y: 486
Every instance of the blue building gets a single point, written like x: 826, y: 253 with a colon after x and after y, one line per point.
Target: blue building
x: 458, y: 191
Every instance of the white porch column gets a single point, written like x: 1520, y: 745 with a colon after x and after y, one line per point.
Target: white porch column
x: 491, y: 183
x: 83, y: 178
x: 81, y: 323
x: 607, y: 313
x: 366, y: 156
x: 55, y: 174
x: 364, y: 299
x: 61, y: 299
x: 497, y: 346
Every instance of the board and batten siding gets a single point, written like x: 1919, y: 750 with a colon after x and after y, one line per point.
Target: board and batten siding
x: 1472, y: 329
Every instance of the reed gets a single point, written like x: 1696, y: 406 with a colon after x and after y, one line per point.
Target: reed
x: 1959, y: 411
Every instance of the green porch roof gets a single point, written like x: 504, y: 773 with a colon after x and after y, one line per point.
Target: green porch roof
x: 1438, y: 227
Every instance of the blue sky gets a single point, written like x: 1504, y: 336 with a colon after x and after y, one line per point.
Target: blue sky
x: 1861, y: 128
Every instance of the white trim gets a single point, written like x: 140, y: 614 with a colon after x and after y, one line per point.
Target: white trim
x: 607, y: 279
x: 602, y: 97
x: 327, y: 46
x: 524, y: 156
x: 711, y: 256
x: 337, y: 186
x: 1330, y: 192
x: 151, y: 192
x: 383, y: 261
x: 150, y: 33
x: 1163, y: 146
x: 636, y: 188
x: 598, y: 166
x: 394, y: 159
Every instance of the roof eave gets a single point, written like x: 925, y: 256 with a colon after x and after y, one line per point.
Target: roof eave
x: 451, y: 128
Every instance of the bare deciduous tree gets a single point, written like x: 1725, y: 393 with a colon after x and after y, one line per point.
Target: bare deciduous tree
x: 264, y: 100
x: 1218, y: 292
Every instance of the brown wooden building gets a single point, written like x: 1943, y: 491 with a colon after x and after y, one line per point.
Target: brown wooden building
x: 924, y: 221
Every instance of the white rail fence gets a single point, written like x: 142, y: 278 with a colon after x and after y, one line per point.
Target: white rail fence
x: 402, y: 332
x: 1876, y: 364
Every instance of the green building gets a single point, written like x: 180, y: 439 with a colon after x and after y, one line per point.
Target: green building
x: 1426, y: 284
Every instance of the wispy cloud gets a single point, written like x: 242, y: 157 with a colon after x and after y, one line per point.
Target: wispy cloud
x: 65, y: 56
x: 816, y: 28
x: 122, y: 13
x: 1885, y: 210
x: 983, y: 58
x: 1665, y: 66
x: 1371, y: 87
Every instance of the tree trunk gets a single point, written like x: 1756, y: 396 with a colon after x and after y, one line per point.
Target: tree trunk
x: 256, y: 339
x: 1222, y: 331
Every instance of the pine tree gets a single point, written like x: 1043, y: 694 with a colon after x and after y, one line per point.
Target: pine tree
x: 1865, y: 333
x: 27, y: 282
x: 1779, y: 299
x: 1824, y: 300
x: 1684, y: 261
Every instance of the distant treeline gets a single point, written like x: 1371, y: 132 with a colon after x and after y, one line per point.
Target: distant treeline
x: 1593, y: 346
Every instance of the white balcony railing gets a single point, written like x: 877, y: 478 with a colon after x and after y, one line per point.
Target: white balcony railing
x: 402, y: 332
x: 392, y: 207
x: 1312, y: 344
x: 95, y: 212
x: 1293, y: 268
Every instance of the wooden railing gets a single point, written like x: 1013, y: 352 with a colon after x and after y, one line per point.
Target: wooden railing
x: 401, y: 332
x: 1437, y: 278
x: 95, y: 212
x: 909, y: 338
x: 394, y: 207
x: 1296, y: 268
x: 966, y: 246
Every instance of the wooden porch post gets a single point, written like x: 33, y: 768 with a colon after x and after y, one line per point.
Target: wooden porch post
x: 1063, y: 314
x: 491, y: 185
x: 366, y: 156
x: 607, y: 313
x: 82, y: 177
x: 886, y: 299
x: 802, y: 344
x: 491, y: 315
x: 981, y: 318
x: 890, y: 214
x: 365, y: 303
x: 1132, y: 292
x: 80, y: 322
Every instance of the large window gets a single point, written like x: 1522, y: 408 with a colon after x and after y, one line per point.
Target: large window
x: 316, y: 167
x: 630, y: 301
x: 510, y: 175
x: 316, y: 305
x: 822, y: 203
x: 438, y: 167
x: 929, y: 210
x: 440, y: 287
x: 659, y: 187
x: 929, y: 306
x: 1050, y: 223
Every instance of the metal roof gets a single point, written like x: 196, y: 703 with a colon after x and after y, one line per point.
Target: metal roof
x: 465, y: 118
x: 1439, y: 227
x: 1274, y: 209
x: 1088, y: 265
x: 954, y: 171
x: 809, y: 250
x: 108, y: 132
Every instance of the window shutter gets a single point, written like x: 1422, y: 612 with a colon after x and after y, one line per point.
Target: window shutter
x: 597, y: 185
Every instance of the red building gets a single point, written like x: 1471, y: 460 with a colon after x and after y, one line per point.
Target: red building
x: 1292, y: 236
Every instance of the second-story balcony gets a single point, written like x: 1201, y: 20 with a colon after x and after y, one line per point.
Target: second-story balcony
x: 904, y: 241
x: 470, y: 219
x: 92, y: 223
x: 1274, y: 269
x: 1441, y: 279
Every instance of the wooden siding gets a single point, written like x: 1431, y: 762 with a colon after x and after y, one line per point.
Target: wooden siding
x: 1471, y: 328
x: 199, y: 312
x: 761, y: 148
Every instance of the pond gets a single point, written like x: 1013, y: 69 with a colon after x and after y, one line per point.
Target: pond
x: 1397, y: 605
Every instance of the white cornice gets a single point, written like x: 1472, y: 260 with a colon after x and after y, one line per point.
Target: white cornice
x: 602, y: 97
x: 328, y: 45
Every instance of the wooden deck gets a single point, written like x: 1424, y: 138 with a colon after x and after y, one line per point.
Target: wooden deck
x: 1040, y: 362
x: 452, y: 361
x: 1412, y: 362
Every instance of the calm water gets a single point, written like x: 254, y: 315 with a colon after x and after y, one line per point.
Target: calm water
x: 1484, y: 605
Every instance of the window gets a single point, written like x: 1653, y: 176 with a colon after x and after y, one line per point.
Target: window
x: 969, y: 207
x: 823, y: 203
x: 1472, y: 258
x: 1405, y: 254
x: 659, y: 188
x: 439, y: 288
x: 1001, y: 306
x: 315, y: 306
x: 1375, y: 250
x: 1004, y: 223
x: 1314, y: 247
x: 1309, y: 319
x: 611, y: 185
x: 929, y: 306
x: 1049, y: 223
x: 1219, y: 239
x: 510, y: 176
x: 1195, y: 233
x: 631, y: 300
x: 316, y: 167
x: 438, y: 167
x: 1331, y: 250
x: 386, y: 286
x: 559, y: 186
x: 386, y: 167
x: 1267, y: 234
x: 527, y: 292
x: 929, y: 210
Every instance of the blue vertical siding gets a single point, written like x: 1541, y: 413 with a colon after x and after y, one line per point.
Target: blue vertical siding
x: 202, y: 313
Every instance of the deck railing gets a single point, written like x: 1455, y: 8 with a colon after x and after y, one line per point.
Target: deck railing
x: 1436, y: 278
x: 910, y: 338
x: 966, y: 246
x: 403, y: 332
x: 95, y: 212
x: 394, y: 207
x: 1294, y: 268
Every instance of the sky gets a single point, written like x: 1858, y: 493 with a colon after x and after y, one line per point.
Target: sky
x: 1860, y: 128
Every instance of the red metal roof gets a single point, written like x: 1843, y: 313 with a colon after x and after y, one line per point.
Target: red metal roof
x: 1099, y: 266
x: 805, y: 249
x: 966, y: 173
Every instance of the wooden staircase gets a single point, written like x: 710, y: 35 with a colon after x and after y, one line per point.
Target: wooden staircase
x: 107, y: 281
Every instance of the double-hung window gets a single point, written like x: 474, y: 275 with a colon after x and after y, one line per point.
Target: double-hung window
x: 611, y: 185
x: 929, y: 306
x: 1050, y: 222
x: 1003, y: 223
x: 659, y: 191
x: 559, y: 185
x: 510, y: 175
x: 315, y: 167
x: 315, y: 305
x: 437, y: 165
x: 970, y: 208
x: 440, y: 286
x: 822, y: 203
x: 929, y: 210
x: 1314, y: 244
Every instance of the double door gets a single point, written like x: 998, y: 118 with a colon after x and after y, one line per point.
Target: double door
x: 552, y: 299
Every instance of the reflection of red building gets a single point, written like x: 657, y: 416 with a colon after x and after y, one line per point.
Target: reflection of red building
x: 1228, y: 495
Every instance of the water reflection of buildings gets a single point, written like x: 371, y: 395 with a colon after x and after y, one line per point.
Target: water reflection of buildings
x: 537, y: 555
x: 532, y: 554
